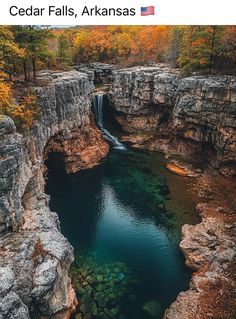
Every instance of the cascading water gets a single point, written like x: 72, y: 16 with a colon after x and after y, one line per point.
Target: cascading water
x: 98, y: 109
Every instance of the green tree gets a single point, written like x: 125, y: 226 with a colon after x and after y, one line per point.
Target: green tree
x: 199, y: 47
x: 226, y: 52
x: 175, y: 42
x: 64, y: 50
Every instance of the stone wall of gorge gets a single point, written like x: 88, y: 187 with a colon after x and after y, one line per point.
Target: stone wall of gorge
x: 192, y: 116
x: 35, y: 257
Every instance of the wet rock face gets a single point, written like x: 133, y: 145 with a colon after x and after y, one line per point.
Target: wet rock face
x: 189, y: 116
x: 35, y: 257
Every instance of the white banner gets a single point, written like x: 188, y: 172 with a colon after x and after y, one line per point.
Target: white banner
x: 122, y: 12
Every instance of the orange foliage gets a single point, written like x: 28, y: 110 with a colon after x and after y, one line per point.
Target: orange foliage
x: 117, y: 44
x: 5, y: 96
x: 198, y: 42
x: 24, y: 112
x: 189, y: 47
x: 91, y: 45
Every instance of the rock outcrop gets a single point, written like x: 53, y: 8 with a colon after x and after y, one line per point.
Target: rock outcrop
x: 192, y: 116
x: 35, y: 257
x: 209, y: 248
x: 102, y: 72
x: 79, y: 149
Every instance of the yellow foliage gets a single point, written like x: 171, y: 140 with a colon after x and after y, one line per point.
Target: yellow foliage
x: 117, y: 43
x: 5, y: 96
x: 24, y: 112
x: 9, y: 49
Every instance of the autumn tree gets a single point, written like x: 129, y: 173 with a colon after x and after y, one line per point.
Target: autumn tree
x: 5, y: 96
x: 226, y: 53
x: 122, y: 44
x: 80, y: 45
x: 92, y: 45
x: 10, y: 53
x: 34, y: 40
x: 152, y: 42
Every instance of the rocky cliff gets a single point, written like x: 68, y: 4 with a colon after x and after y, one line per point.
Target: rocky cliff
x: 192, y: 116
x: 35, y: 257
x: 101, y: 72
x: 209, y: 248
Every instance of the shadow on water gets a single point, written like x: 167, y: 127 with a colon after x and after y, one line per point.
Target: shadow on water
x: 124, y: 218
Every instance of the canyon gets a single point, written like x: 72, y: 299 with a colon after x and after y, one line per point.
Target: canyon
x: 157, y: 109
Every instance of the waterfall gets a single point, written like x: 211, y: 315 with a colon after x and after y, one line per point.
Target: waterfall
x: 98, y: 110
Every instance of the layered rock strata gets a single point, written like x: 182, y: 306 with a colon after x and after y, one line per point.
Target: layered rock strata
x: 192, y: 116
x: 35, y: 257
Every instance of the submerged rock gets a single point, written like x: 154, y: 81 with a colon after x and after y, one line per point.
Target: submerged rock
x: 153, y: 308
x: 108, y: 286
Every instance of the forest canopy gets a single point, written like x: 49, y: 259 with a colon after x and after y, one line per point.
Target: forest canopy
x: 26, y: 49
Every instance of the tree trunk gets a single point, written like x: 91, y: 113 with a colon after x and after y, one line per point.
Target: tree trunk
x: 25, y: 71
x: 212, y: 47
x: 34, y: 68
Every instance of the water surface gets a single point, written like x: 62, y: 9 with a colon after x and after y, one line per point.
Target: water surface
x: 129, y: 209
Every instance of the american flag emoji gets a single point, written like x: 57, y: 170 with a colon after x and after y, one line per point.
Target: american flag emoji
x: 148, y: 11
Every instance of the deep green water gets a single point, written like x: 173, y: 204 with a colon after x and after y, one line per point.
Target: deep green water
x: 123, y: 218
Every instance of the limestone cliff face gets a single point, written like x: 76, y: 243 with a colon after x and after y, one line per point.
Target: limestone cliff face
x: 193, y: 116
x: 102, y: 72
x: 35, y: 257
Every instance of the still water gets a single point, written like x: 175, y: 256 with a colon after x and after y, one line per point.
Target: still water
x: 123, y: 219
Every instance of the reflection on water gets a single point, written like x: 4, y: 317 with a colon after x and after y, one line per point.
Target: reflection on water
x: 127, y: 210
